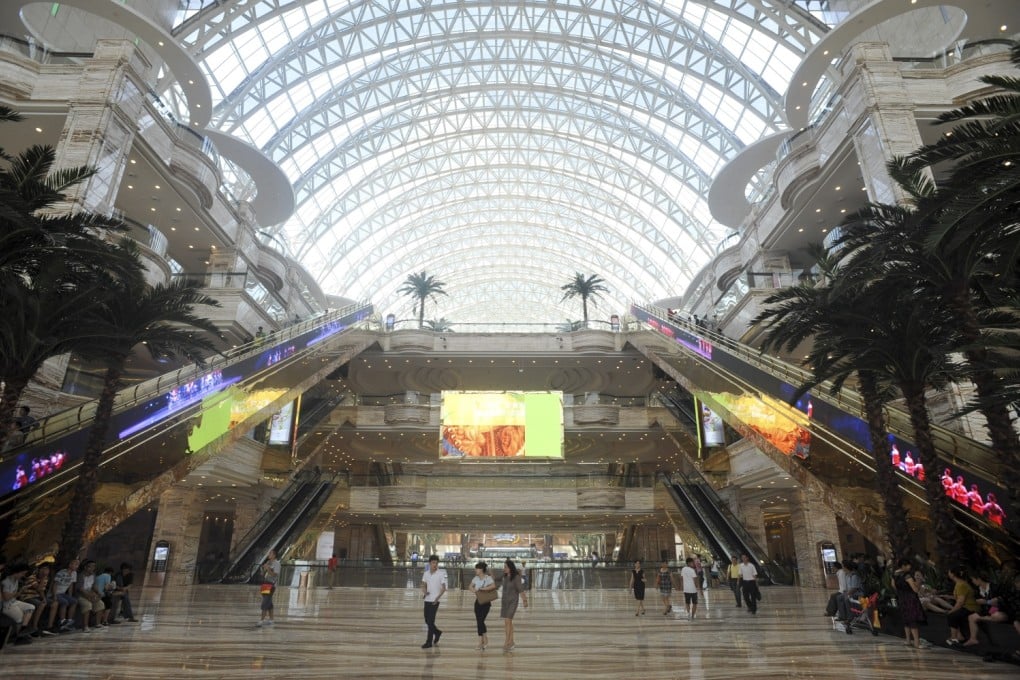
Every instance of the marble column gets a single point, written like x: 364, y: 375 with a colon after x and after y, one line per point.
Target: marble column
x: 247, y: 511
x: 101, y: 122
x: 813, y: 523
x: 748, y: 510
x: 881, y: 111
x: 179, y: 521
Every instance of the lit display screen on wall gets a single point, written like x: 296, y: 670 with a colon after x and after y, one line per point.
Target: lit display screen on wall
x: 501, y: 425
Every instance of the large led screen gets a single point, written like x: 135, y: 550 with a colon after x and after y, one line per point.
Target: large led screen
x: 501, y: 425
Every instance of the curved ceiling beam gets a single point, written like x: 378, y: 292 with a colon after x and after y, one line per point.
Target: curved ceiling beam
x: 662, y: 190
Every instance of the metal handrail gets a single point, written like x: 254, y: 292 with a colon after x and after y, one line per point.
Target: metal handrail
x: 71, y: 419
x: 966, y: 452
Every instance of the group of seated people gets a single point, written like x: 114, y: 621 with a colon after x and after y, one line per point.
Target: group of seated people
x: 976, y: 599
x: 39, y: 602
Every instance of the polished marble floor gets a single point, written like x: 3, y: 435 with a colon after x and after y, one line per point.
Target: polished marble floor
x: 206, y: 632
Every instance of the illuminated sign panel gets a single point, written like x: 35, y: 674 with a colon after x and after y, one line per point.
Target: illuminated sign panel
x: 501, y: 425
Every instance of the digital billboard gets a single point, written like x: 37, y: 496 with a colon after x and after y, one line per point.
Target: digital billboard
x: 501, y: 425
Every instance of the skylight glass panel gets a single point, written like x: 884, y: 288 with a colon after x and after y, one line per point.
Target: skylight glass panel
x: 442, y: 135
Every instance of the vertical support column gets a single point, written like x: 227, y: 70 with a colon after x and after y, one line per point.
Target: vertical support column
x: 178, y: 521
x: 882, y: 114
x: 748, y: 509
x: 813, y: 523
x: 247, y: 511
x: 101, y: 122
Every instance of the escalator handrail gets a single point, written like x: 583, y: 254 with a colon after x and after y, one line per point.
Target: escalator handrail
x: 967, y: 452
x: 278, y: 504
x: 683, y: 501
x: 263, y: 535
x: 61, y: 423
x: 698, y: 513
x: 291, y: 519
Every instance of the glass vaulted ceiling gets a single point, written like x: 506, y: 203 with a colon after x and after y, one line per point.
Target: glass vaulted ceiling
x: 500, y: 146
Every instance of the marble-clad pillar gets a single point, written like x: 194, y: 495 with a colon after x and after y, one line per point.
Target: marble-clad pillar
x: 881, y: 111
x: 100, y: 127
x: 179, y: 522
x: 812, y: 523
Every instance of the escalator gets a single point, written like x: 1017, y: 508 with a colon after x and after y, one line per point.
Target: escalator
x: 279, y: 526
x: 820, y: 439
x: 165, y: 427
x: 708, y: 523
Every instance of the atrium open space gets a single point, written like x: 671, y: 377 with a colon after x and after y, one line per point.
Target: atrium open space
x: 626, y: 302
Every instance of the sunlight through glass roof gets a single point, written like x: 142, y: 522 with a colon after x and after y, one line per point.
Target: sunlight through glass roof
x: 500, y: 146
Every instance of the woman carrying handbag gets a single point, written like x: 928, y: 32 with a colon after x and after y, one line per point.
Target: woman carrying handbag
x: 484, y: 589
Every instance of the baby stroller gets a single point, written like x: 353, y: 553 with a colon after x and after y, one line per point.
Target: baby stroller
x: 862, y: 614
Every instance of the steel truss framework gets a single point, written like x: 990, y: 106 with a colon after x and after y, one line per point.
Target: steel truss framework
x: 501, y: 146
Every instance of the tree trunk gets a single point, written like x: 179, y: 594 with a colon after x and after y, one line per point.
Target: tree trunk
x: 886, y: 482
x: 948, y: 544
x: 80, y: 510
x: 421, y: 314
x: 584, y: 308
x: 13, y: 388
x: 1000, y: 426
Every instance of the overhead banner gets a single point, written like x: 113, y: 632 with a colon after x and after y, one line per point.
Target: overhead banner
x: 501, y: 425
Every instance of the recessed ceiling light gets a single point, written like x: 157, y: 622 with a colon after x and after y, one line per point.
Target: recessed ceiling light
x: 196, y: 228
x: 838, y: 188
x: 38, y: 129
x: 156, y: 185
x: 178, y: 210
x: 801, y: 229
x: 160, y: 43
x: 191, y: 246
x: 131, y: 186
x: 152, y: 209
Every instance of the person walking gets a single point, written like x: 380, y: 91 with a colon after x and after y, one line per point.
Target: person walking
x: 513, y: 589
x: 749, y: 583
x: 433, y: 585
x: 484, y: 588
x: 331, y: 571
x: 690, y: 580
x: 733, y: 574
x: 637, y: 584
x: 664, y: 581
x: 270, y: 570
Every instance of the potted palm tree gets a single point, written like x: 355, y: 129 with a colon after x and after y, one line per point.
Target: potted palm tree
x: 420, y: 287
x: 585, y: 287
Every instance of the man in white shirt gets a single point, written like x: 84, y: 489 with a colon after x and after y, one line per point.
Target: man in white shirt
x: 689, y: 576
x: 749, y: 583
x: 433, y: 585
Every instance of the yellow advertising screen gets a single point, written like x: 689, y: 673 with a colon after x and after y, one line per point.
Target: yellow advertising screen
x: 501, y: 425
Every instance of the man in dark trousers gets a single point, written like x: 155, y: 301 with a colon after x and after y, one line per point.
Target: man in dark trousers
x: 433, y: 585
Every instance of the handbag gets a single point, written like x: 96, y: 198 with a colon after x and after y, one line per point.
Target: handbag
x: 266, y: 589
x: 485, y: 596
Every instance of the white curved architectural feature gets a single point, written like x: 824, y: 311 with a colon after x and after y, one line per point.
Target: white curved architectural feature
x: 726, y: 197
x: 984, y: 19
x: 274, y: 200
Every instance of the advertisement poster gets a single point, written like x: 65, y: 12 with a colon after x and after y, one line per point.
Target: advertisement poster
x: 501, y: 425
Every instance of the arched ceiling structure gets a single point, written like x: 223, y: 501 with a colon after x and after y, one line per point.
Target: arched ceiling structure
x: 500, y: 146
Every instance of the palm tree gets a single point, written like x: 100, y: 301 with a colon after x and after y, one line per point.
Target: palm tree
x: 970, y: 230
x: 162, y: 319
x: 826, y: 311
x: 585, y: 287
x: 420, y: 287
x: 49, y: 266
x: 440, y: 325
x: 967, y: 268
